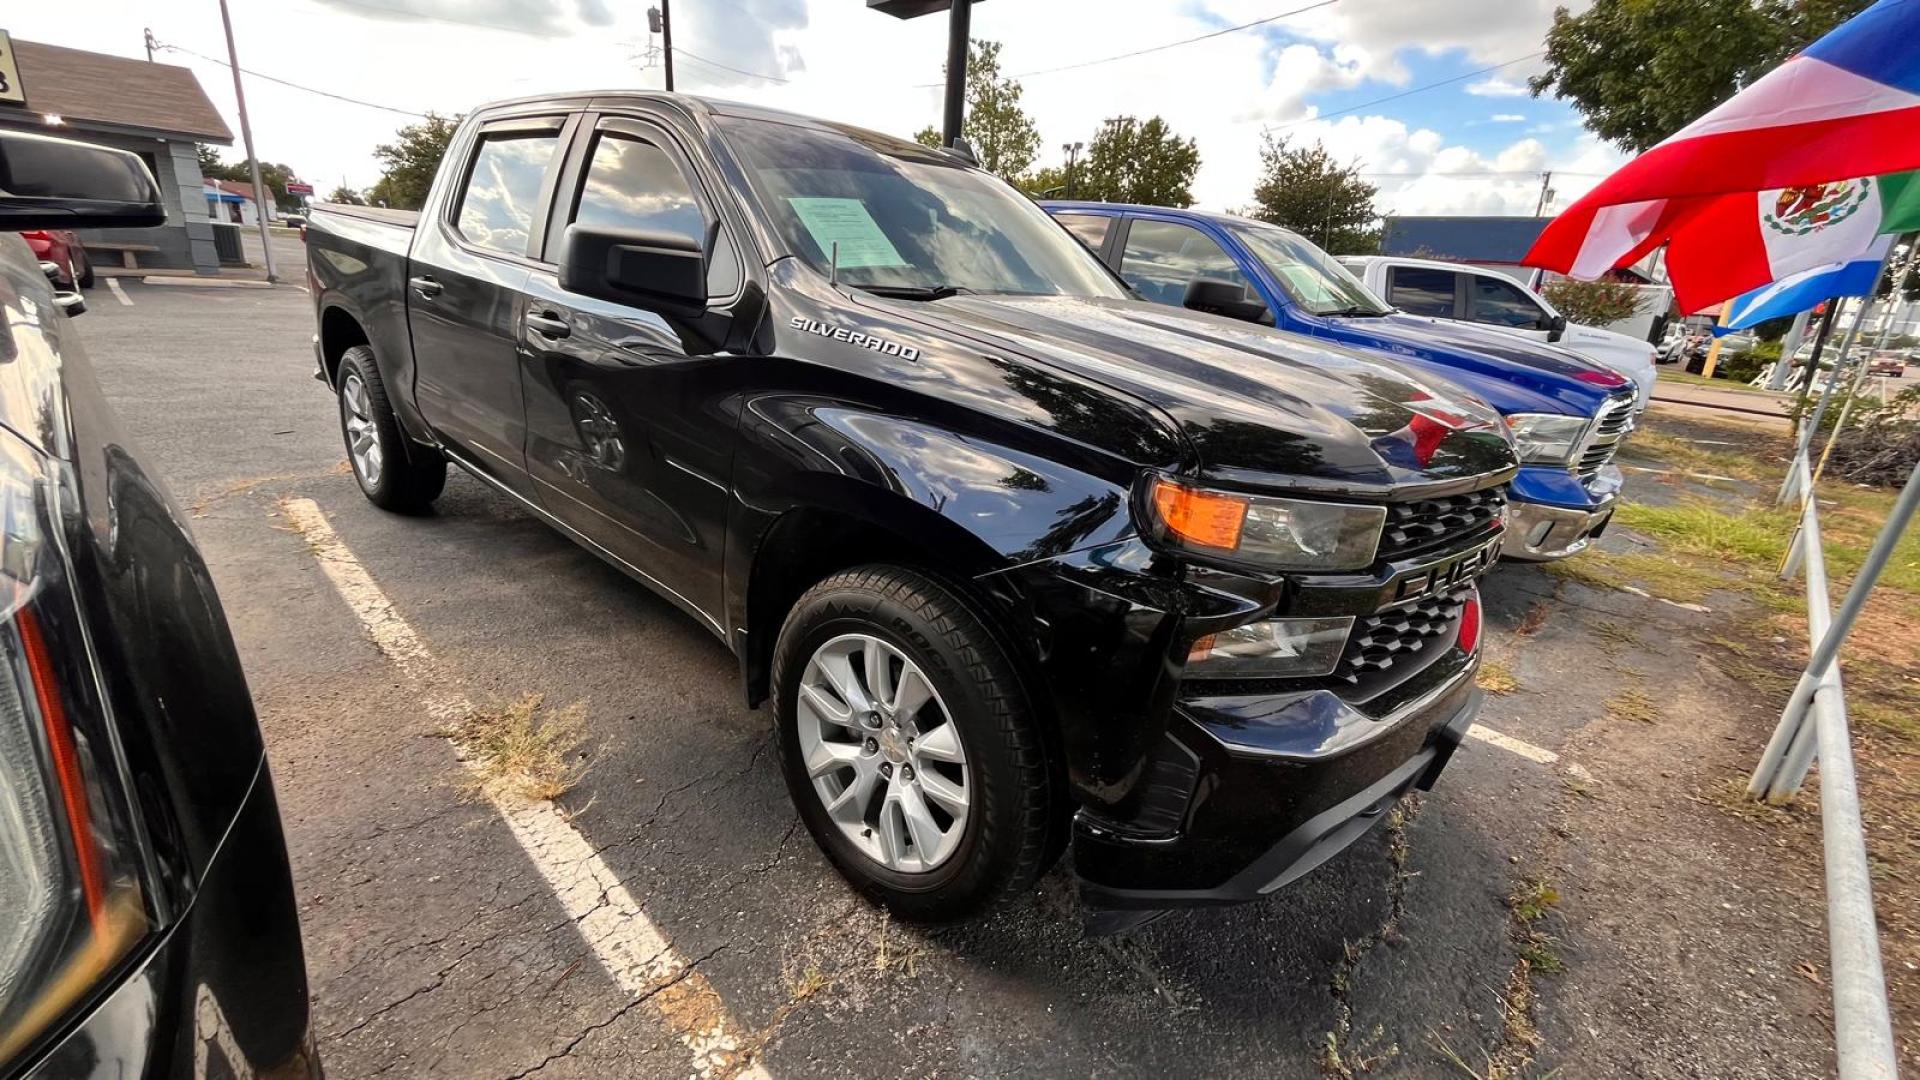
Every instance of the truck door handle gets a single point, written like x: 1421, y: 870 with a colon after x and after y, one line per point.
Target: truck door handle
x: 549, y: 325
x: 425, y: 286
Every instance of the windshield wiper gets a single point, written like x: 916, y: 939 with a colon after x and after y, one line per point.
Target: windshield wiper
x: 1352, y: 312
x: 915, y: 292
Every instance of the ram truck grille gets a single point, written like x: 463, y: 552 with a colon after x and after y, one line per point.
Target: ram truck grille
x: 1615, y: 421
x: 1426, y: 524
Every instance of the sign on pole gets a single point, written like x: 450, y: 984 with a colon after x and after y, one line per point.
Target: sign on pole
x: 11, y: 91
x: 298, y: 187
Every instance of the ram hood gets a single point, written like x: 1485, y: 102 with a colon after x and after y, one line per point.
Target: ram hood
x: 1258, y: 407
x: 1514, y: 374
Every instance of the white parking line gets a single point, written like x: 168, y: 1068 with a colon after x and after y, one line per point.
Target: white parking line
x: 120, y: 294
x: 629, y: 946
x: 1538, y: 754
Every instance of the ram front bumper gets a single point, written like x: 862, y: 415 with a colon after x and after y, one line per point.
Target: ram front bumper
x: 1553, y: 513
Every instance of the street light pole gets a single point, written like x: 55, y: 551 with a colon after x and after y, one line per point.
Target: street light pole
x: 959, y: 19
x: 666, y: 38
x: 246, y: 139
x: 1072, y: 150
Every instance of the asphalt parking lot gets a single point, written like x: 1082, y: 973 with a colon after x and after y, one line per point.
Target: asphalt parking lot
x: 441, y: 941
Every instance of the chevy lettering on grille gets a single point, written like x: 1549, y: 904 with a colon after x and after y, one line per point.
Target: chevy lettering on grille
x: 1445, y: 575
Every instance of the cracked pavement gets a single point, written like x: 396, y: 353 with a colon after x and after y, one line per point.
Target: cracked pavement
x: 435, y: 949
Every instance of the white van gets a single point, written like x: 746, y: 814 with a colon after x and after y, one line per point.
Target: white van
x: 1461, y: 293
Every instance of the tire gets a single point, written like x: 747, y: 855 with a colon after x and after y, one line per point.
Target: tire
x: 86, y: 271
x: 1005, y: 839
x: 394, y: 472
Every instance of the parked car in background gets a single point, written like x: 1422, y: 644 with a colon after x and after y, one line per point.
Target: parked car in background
x: 1887, y: 362
x: 1567, y: 414
x: 1016, y: 557
x: 1461, y: 293
x: 147, y: 919
x: 63, y: 249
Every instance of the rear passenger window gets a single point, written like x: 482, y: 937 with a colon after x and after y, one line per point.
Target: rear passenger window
x: 1091, y: 229
x: 503, y: 190
x: 1421, y: 290
x: 1162, y: 256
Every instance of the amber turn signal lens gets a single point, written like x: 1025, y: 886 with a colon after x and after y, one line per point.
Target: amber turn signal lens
x: 1206, y: 518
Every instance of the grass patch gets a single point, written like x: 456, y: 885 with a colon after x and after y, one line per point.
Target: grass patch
x: 1902, y: 721
x: 1496, y: 677
x: 1717, y: 384
x: 1730, y: 795
x: 1633, y: 704
x: 1533, y: 899
x: 1755, y: 537
x: 1685, y: 455
x: 522, y: 749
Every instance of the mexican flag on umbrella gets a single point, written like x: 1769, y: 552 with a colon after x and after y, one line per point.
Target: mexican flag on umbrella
x: 1795, y: 172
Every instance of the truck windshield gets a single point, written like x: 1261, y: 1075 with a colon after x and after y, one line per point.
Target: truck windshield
x: 1309, y: 275
x: 907, y: 220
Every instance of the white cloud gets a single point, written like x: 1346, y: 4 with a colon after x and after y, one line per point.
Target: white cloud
x: 1497, y: 87
x: 1506, y: 118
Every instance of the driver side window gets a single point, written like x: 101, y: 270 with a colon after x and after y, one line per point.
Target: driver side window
x: 633, y: 183
x: 1162, y: 256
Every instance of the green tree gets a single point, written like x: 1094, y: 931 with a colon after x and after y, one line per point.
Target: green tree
x: 927, y: 136
x: 1135, y: 162
x: 1592, y: 303
x: 1640, y: 70
x: 345, y: 194
x: 1048, y: 183
x: 1002, y: 135
x: 1304, y: 190
x: 410, y: 161
x: 272, y: 173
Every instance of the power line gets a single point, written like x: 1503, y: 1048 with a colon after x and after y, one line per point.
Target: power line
x: 1164, y: 47
x: 1407, y: 93
x: 294, y: 85
x: 678, y: 51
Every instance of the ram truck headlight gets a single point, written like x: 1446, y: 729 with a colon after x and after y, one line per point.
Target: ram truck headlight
x: 1270, y: 532
x: 1546, y: 438
x: 1273, y: 648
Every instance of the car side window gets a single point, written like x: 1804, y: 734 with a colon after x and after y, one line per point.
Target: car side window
x: 1422, y: 290
x: 1092, y: 229
x: 502, y: 192
x: 1504, y: 303
x: 633, y: 183
x: 1162, y: 256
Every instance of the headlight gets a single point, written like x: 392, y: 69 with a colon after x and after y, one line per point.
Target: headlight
x: 1274, y: 648
x: 1546, y: 438
x: 72, y: 904
x: 1278, y: 534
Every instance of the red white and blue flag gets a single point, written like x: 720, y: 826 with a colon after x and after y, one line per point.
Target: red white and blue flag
x: 1847, y: 107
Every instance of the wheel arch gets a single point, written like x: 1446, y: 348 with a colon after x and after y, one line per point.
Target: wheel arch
x: 340, y: 330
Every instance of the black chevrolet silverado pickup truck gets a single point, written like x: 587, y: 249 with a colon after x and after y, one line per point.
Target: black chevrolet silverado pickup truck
x: 1017, y: 557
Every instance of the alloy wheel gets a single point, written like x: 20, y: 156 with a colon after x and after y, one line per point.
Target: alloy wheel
x: 363, y: 435
x: 883, y: 752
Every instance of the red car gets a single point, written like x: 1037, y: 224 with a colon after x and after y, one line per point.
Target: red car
x: 62, y: 248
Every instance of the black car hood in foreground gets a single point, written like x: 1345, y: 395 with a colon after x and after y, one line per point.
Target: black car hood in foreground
x: 1257, y: 406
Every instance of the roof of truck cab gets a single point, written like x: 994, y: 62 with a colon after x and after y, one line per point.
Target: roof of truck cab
x: 1215, y: 216
x: 693, y: 102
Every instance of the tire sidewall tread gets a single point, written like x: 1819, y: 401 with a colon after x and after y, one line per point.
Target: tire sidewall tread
x: 411, y: 475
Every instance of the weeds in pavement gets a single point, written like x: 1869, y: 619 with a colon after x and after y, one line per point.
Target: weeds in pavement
x: 1343, y: 1056
x: 1633, y: 704
x: 522, y: 749
x: 1496, y: 677
x: 1535, y: 618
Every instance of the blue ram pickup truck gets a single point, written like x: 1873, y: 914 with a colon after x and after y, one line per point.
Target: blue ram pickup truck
x: 1568, y: 415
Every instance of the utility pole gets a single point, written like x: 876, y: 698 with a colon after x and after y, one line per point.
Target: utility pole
x: 148, y: 32
x: 660, y: 21
x: 1546, y: 194
x: 246, y: 138
x: 1073, y: 154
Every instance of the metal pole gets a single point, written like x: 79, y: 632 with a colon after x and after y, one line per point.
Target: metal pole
x: 1828, y: 645
x: 666, y: 38
x: 959, y: 16
x: 1839, y: 371
x: 1540, y: 207
x: 1788, y: 346
x: 246, y: 138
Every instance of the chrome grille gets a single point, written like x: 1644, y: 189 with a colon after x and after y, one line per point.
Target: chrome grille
x: 1616, y: 420
x: 1431, y: 523
x: 1397, y: 635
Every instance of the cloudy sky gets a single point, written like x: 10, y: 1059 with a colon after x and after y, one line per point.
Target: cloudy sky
x: 1358, y: 75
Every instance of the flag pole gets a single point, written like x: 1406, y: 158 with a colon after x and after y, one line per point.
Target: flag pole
x: 1713, y: 350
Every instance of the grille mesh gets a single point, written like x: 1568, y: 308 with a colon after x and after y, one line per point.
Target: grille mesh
x: 1397, y: 635
x: 1616, y: 420
x: 1430, y: 523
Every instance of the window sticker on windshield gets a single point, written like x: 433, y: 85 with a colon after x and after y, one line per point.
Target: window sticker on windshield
x: 847, y: 223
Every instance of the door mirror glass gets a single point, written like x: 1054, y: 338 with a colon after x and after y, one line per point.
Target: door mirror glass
x: 660, y: 271
x: 1556, y: 328
x: 49, y: 183
x: 1222, y: 297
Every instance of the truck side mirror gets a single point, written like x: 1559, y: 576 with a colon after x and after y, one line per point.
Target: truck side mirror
x: 663, y: 272
x: 49, y: 183
x: 1222, y: 297
x: 1556, y: 327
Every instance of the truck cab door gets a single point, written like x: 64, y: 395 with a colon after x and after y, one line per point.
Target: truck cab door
x: 630, y: 424
x: 1498, y: 301
x: 469, y: 265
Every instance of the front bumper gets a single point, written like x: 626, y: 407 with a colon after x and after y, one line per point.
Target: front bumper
x: 1554, y: 513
